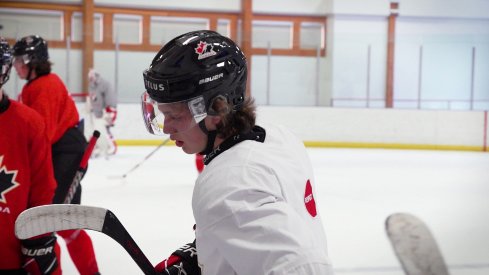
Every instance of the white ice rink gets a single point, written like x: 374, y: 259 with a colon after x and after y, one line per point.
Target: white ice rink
x: 356, y: 189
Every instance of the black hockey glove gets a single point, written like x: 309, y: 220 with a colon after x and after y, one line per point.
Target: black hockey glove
x: 182, y: 261
x: 39, y: 256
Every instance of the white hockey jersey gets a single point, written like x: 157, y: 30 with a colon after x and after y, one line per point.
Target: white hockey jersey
x: 255, y: 210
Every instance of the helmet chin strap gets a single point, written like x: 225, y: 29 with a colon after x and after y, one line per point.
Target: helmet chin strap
x: 29, y: 74
x: 211, y: 138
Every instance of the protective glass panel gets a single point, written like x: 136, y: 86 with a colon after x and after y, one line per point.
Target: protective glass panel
x: 18, y: 23
x: 127, y: 29
x: 274, y: 34
x: 77, y: 30
x: 164, y: 29
x: 312, y: 35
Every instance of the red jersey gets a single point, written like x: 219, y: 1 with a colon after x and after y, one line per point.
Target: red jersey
x: 26, y: 173
x: 48, y: 95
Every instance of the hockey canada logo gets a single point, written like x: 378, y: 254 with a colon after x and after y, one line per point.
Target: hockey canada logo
x: 309, y: 200
x: 7, y: 181
x: 204, y: 50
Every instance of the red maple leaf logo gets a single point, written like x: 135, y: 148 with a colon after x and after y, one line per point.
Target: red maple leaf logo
x: 201, y: 47
x: 7, y: 181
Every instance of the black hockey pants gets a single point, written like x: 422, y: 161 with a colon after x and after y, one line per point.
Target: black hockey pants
x: 67, y: 154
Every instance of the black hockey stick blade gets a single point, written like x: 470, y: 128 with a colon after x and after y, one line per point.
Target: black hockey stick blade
x: 57, y: 217
x: 414, y: 245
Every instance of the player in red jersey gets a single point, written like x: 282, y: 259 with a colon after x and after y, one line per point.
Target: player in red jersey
x: 46, y: 93
x: 26, y: 180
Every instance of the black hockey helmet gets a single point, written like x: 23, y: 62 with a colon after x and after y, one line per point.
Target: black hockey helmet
x: 199, y: 63
x: 31, y: 48
x: 5, y: 61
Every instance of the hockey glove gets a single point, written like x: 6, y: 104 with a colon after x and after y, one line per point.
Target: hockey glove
x: 110, y: 115
x: 39, y: 256
x: 182, y: 261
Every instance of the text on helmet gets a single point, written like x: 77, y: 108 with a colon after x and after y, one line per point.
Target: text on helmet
x: 154, y: 86
x: 211, y: 78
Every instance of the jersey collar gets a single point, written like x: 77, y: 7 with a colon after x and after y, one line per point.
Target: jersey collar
x: 256, y: 134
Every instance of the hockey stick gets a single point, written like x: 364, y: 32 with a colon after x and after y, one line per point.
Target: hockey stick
x: 51, y: 218
x: 141, y: 162
x: 82, y: 169
x: 414, y: 245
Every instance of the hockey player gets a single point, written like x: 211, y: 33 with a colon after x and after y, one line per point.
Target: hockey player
x: 103, y: 111
x: 45, y: 93
x: 253, y: 204
x: 26, y: 180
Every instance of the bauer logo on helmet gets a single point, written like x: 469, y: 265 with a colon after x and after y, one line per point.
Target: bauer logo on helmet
x: 212, y: 78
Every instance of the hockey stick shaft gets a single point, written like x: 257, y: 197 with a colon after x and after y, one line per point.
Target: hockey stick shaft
x: 89, y: 150
x: 82, y: 169
x: 114, y: 228
x: 50, y: 218
x: 146, y: 158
